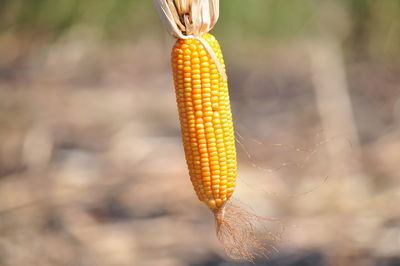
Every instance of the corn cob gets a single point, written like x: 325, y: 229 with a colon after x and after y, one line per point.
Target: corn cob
x: 206, y: 120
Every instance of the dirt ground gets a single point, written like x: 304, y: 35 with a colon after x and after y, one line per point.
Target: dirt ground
x: 92, y: 169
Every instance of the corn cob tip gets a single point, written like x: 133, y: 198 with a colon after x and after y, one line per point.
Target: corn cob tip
x: 243, y: 234
x: 191, y: 19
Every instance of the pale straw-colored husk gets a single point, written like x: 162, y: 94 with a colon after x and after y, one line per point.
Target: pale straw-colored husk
x: 190, y: 19
x: 184, y: 18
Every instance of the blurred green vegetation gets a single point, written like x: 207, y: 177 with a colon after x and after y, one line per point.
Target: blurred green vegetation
x: 52, y: 18
x: 370, y: 28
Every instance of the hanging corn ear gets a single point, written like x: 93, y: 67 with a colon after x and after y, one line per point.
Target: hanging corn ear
x: 206, y: 121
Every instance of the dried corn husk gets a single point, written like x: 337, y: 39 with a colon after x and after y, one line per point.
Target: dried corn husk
x: 187, y: 19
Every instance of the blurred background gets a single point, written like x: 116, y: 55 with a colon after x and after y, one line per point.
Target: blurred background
x: 92, y: 171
